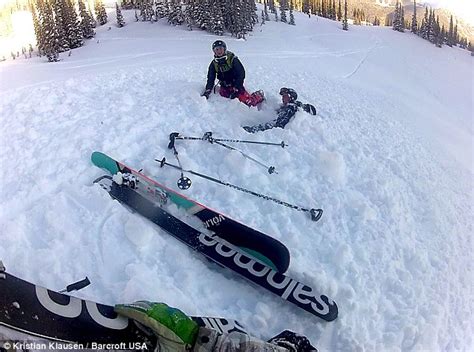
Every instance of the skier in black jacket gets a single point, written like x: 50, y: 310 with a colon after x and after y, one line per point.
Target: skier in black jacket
x: 231, y: 74
x: 285, y: 112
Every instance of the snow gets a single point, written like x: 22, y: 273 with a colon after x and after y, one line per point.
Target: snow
x: 389, y: 159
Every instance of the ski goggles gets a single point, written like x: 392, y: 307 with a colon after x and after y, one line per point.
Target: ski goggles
x: 219, y: 47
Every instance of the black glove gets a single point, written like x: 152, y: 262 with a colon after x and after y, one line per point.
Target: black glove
x: 310, y: 109
x: 206, y: 93
x: 293, y: 342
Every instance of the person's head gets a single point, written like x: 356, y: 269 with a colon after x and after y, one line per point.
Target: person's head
x: 288, y: 95
x: 219, y: 48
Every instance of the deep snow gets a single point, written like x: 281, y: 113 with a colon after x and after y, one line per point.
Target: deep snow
x: 389, y: 159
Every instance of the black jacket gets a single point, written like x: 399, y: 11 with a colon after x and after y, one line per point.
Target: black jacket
x: 284, y: 115
x: 229, y: 71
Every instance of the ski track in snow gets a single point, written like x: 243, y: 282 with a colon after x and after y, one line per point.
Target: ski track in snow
x: 393, y: 248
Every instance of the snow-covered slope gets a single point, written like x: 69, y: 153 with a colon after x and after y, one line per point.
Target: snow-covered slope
x: 389, y: 159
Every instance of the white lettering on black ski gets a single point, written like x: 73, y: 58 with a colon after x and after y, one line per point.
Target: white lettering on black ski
x: 71, y: 310
x: 222, y: 252
x: 118, y: 323
x: 285, y: 287
x: 74, y: 309
x: 215, y: 221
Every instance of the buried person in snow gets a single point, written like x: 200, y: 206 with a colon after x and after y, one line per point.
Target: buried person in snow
x: 285, y: 112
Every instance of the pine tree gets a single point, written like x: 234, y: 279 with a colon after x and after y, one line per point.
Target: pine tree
x: 100, y: 12
x: 456, y: 35
x: 93, y: 22
x: 217, y: 19
x: 176, y: 15
x: 86, y: 21
x: 414, y: 22
x: 120, y: 20
x: 396, y: 18
x: 72, y: 24
x: 189, y: 12
x: 345, y: 26
x: 339, y: 11
x: 37, y: 28
x: 267, y: 17
x: 283, y: 11
x: 203, y: 15
x: 305, y: 7
x: 162, y: 11
x: 431, y: 26
x: 470, y: 47
x: 50, y: 35
x: 292, y: 17
x: 271, y: 6
x: 402, y: 19
x: 59, y: 19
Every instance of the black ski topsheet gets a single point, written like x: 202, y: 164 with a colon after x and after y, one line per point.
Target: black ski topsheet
x: 228, y: 255
x: 37, y: 311
x: 231, y: 230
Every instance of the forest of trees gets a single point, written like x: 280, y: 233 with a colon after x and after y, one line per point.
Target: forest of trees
x: 62, y: 25
x: 429, y: 28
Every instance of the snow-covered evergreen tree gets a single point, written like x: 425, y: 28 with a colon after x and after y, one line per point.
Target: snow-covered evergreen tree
x: 120, y: 20
x: 59, y: 19
x: 414, y: 21
x: 161, y: 9
x: 93, y: 22
x: 100, y: 12
x: 345, y: 25
x: 402, y: 18
x: 37, y: 28
x: 48, y: 27
x: 86, y: 21
x: 283, y: 8
x: 176, y: 14
x: 72, y: 25
x: 292, y: 17
x: 450, y: 39
x: 216, y: 21
x: 271, y: 6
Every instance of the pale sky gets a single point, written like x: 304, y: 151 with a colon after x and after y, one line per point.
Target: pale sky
x: 462, y: 8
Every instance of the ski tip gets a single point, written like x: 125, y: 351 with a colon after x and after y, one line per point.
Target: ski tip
x: 96, y: 155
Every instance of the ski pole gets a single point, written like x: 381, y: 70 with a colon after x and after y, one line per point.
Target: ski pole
x: 270, y: 169
x: 208, y: 137
x: 79, y: 285
x: 2, y: 270
x: 183, y: 182
x: 315, y: 213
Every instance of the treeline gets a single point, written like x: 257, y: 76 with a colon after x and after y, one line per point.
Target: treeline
x: 237, y: 17
x: 285, y: 6
x: 61, y: 26
x: 429, y: 28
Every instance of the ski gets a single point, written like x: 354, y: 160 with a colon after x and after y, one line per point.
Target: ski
x: 256, y: 243
x: 40, y: 312
x: 225, y: 254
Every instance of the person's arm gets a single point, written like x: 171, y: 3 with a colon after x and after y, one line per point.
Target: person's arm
x: 239, y: 75
x: 211, y: 76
